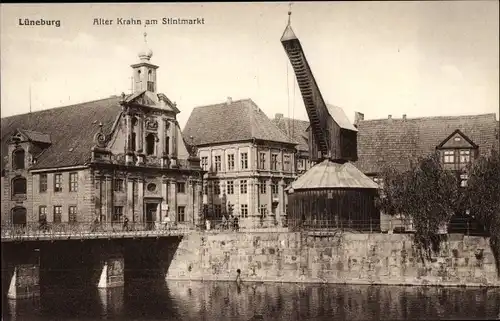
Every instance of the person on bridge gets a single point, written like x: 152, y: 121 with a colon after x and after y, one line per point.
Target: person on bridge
x: 125, y: 224
x: 166, y: 222
x: 95, y: 224
x: 43, y: 223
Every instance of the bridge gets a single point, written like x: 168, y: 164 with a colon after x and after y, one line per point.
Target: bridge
x: 89, y: 230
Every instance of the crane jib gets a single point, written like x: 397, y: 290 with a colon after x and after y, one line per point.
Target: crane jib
x: 311, y: 95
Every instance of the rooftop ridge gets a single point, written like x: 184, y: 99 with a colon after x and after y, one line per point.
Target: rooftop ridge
x: 430, y: 117
x: 66, y: 106
x: 225, y: 103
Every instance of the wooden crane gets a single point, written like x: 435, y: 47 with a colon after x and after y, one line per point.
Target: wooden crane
x: 331, y: 135
x: 333, y: 193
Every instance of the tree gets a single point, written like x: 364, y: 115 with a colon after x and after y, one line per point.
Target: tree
x: 428, y: 194
x: 483, y: 198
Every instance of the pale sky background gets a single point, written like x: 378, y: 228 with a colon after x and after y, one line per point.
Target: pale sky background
x: 378, y: 58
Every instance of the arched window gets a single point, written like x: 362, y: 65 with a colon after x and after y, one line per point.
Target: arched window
x: 150, y: 75
x: 18, y: 159
x: 18, y: 215
x: 167, y: 145
x: 150, y: 144
x: 19, y: 186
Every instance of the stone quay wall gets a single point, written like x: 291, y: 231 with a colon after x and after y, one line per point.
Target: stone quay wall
x: 343, y: 257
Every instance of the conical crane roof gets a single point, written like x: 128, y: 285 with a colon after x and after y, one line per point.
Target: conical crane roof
x: 328, y: 174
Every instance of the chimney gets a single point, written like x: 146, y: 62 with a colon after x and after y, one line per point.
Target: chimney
x: 404, y: 116
x: 358, y: 117
x: 278, y: 116
x: 390, y: 117
x: 229, y: 100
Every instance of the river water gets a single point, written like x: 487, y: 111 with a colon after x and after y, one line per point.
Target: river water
x: 224, y: 301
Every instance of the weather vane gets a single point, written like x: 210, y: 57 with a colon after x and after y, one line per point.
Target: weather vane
x: 289, y: 12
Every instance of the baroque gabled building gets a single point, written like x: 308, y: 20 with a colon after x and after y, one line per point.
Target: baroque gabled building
x: 248, y: 160
x: 117, y: 157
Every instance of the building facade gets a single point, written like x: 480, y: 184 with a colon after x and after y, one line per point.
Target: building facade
x: 248, y: 160
x: 107, y: 159
x: 296, y: 130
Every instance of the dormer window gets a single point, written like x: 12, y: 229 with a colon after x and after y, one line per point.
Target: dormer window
x: 18, y: 159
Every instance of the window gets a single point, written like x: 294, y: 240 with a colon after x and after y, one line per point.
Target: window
x: 132, y: 142
x: 274, y: 162
x: 230, y: 187
x: 379, y: 181
x: 151, y: 187
x: 217, y: 210
x: 43, y: 183
x: 72, y: 214
x: 230, y: 162
x: 206, y: 189
x: 181, y: 187
x: 464, y: 156
x: 262, y: 187
x: 243, y: 186
x: 151, y: 84
x: 286, y: 163
x: 300, y: 164
x: 216, y: 188
x: 274, y: 188
x: 57, y: 182
x: 42, y: 212
x: 463, y: 180
x: 57, y: 214
x: 262, y: 160
x: 218, y: 163
x: 118, y: 213
x: 18, y: 159
x: 449, y: 156
x: 119, y: 185
x: 263, y: 210
x: 181, y: 213
x: 244, y: 210
x: 19, y: 186
x: 150, y: 144
x: 244, y: 160
x: 73, y: 182
x: 204, y: 163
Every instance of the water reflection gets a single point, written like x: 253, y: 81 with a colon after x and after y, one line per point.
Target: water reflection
x: 142, y: 300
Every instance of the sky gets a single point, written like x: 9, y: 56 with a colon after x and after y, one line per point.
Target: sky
x: 421, y: 59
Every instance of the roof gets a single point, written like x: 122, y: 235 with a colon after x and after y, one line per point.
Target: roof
x: 36, y: 136
x: 401, y: 141
x: 294, y: 128
x: 71, y: 130
x: 328, y: 174
x: 288, y: 34
x: 340, y: 117
x: 231, y: 121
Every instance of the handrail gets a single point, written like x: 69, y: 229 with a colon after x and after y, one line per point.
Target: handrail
x: 82, y: 230
x: 91, y: 230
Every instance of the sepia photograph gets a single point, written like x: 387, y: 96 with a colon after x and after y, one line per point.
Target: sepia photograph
x: 282, y: 161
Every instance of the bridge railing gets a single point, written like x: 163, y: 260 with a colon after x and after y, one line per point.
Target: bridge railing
x: 252, y: 224
x: 90, y: 230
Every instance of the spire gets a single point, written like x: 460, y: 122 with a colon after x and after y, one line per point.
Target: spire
x: 146, y: 53
x: 288, y: 34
